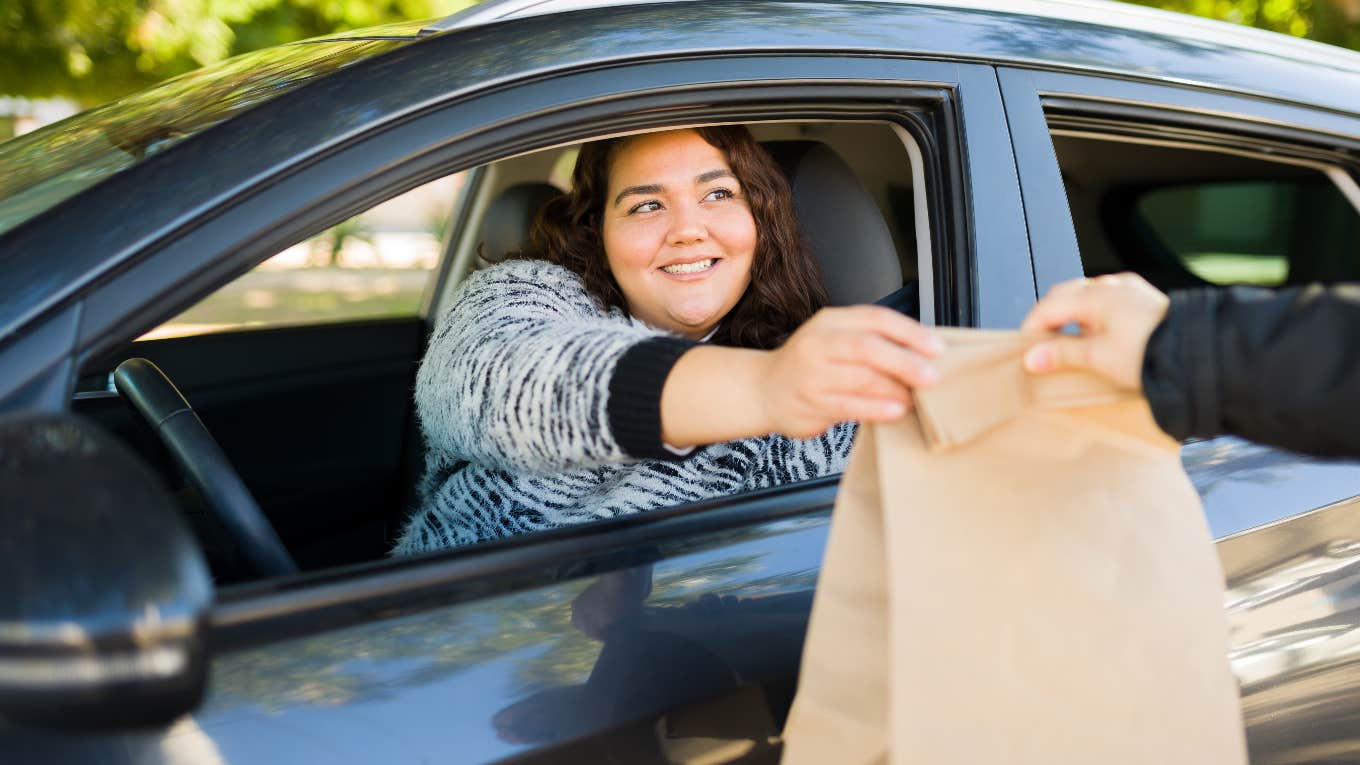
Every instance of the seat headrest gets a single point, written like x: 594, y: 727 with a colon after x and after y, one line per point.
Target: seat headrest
x: 505, y: 228
x: 843, y: 226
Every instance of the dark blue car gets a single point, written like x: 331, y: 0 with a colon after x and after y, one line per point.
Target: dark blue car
x: 274, y: 236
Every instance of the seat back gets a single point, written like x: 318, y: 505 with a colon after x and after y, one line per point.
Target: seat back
x: 843, y: 225
x: 509, y: 217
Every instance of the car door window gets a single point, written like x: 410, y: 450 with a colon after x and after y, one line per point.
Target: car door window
x: 482, y: 485
x: 1184, y: 215
x: 373, y: 265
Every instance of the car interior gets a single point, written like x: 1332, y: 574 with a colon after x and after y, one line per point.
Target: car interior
x: 315, y: 415
x: 1186, y: 215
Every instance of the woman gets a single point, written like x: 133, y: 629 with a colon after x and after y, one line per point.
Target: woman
x: 661, y: 342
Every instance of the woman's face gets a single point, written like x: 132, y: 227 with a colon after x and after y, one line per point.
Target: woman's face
x: 678, y: 232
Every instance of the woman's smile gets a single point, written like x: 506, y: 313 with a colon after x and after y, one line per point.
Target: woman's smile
x: 691, y: 270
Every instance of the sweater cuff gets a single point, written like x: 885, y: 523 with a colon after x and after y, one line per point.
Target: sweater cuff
x: 634, y: 406
x: 1180, y: 366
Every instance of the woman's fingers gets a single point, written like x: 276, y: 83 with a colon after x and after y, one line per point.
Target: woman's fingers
x: 898, y: 363
x: 885, y: 341
x: 847, y: 408
x: 898, y: 328
x: 864, y: 381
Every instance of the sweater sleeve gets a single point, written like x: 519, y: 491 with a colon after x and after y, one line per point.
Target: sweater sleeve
x: 521, y: 375
x: 1278, y: 367
x: 786, y: 460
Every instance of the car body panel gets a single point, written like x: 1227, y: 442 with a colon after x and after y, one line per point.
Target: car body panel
x: 508, y: 676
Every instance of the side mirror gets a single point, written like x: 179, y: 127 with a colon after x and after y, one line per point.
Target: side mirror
x: 103, y: 591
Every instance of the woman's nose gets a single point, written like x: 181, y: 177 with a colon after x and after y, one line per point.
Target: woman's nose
x: 687, y: 224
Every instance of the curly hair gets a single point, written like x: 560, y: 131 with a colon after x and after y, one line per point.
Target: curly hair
x: 786, y: 283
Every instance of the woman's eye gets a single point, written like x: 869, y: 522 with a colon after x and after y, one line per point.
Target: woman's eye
x: 649, y: 206
x: 718, y: 194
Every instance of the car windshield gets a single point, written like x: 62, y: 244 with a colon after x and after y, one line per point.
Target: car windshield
x: 49, y: 165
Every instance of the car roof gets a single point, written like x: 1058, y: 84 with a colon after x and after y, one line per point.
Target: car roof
x: 1102, y: 13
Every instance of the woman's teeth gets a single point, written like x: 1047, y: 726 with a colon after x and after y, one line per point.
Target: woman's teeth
x: 690, y: 268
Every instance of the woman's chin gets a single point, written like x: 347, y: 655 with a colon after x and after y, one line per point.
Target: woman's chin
x: 695, y: 325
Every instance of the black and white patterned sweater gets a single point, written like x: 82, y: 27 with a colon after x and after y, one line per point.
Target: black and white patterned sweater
x: 540, y: 409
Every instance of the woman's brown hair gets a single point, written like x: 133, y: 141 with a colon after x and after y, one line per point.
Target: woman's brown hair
x: 786, y: 283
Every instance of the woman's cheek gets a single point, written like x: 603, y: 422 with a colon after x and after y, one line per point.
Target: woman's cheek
x: 632, y: 243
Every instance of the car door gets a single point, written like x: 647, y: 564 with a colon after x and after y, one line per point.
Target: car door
x: 1261, y: 192
x: 672, y: 634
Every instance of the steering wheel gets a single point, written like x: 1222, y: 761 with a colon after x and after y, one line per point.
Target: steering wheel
x: 146, y: 388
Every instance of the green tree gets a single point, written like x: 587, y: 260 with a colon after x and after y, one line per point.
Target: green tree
x: 95, y: 50
x: 1336, y: 22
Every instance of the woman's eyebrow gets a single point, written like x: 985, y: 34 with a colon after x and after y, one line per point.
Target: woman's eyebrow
x: 648, y: 189
x: 713, y: 175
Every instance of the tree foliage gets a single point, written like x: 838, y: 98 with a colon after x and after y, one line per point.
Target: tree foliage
x: 95, y: 50
x: 1336, y: 22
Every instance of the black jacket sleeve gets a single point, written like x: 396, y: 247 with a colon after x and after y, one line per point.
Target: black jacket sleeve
x: 1277, y: 367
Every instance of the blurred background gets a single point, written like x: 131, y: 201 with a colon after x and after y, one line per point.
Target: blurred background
x: 62, y: 57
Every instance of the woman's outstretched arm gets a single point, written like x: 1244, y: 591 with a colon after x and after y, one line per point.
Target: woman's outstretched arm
x: 517, y: 374
x: 855, y: 363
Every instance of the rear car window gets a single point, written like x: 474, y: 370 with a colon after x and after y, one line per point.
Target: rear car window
x: 1266, y: 233
x: 1183, y: 216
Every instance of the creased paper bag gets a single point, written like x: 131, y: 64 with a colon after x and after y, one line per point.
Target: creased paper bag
x: 1021, y: 573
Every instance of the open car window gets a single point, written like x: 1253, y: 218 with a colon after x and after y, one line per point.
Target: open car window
x: 376, y: 264
x: 303, y: 368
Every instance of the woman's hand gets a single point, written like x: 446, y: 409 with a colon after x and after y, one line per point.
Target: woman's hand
x: 855, y: 363
x: 1116, y: 314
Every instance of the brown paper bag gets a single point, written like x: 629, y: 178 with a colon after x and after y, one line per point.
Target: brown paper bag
x: 1020, y: 574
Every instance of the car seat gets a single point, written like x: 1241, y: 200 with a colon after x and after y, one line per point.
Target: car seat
x: 844, y: 228
x: 509, y: 218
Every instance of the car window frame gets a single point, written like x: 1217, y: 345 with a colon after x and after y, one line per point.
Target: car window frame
x: 1028, y: 93
x: 321, y: 600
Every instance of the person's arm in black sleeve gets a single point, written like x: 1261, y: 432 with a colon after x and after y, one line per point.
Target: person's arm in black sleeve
x: 1277, y: 367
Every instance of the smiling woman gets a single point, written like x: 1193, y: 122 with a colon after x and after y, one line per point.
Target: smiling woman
x: 662, y: 339
x: 679, y: 245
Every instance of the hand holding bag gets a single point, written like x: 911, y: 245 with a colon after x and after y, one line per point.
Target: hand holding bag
x: 1021, y: 573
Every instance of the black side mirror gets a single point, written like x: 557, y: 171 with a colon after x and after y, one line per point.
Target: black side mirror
x: 103, y: 591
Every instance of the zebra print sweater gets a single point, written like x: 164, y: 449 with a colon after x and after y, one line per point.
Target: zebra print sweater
x: 540, y: 409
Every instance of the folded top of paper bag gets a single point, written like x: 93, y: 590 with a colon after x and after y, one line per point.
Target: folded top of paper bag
x: 984, y: 366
